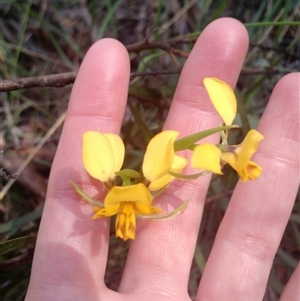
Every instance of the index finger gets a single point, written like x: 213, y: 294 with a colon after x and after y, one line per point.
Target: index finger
x: 70, y: 244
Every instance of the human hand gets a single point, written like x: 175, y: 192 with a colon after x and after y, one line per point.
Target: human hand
x: 71, y: 251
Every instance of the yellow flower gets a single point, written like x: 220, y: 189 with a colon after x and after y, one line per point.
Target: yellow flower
x: 103, y: 155
x: 126, y: 202
x: 222, y: 97
x: 239, y: 157
x: 209, y: 157
x: 160, y: 159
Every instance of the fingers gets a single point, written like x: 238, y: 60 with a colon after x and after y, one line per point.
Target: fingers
x: 160, y: 257
x: 70, y: 244
x: 244, y: 249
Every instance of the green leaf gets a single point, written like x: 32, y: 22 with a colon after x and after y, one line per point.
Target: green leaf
x: 199, y: 258
x: 85, y: 197
x: 11, y: 227
x: 188, y: 141
x: 146, y: 132
x: 15, y: 244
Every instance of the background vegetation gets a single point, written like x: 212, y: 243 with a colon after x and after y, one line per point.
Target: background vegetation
x: 51, y: 37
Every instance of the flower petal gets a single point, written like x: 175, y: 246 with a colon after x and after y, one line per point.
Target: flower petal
x: 159, y: 155
x: 99, y: 158
x: 231, y: 159
x: 126, y: 222
x: 249, y: 145
x: 207, y: 156
x: 146, y: 209
x: 239, y: 159
x: 222, y: 97
x: 118, y: 149
x: 133, y: 193
x: 109, y: 211
x: 177, y: 166
x: 160, y: 183
x: 251, y: 172
x: 247, y: 170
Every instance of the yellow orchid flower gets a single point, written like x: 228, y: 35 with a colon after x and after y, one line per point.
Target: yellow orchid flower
x: 103, y: 155
x: 209, y: 157
x: 240, y: 155
x: 160, y: 159
x: 222, y: 97
x: 127, y: 202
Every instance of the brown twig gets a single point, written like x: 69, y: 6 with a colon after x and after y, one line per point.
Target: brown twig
x: 61, y: 80
x: 53, y: 80
x: 64, y: 79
